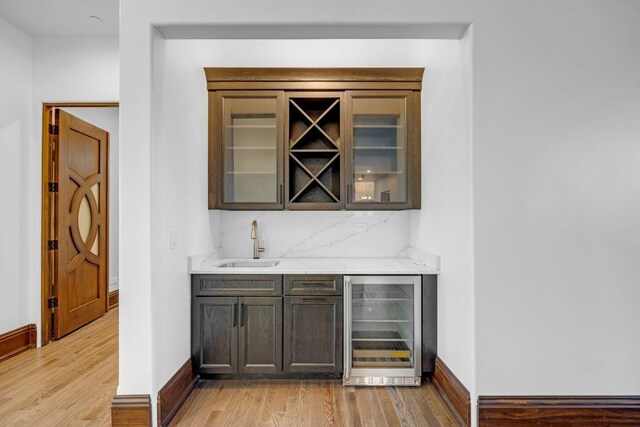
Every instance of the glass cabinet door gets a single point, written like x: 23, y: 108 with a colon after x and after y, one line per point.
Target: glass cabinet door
x: 383, y: 330
x: 378, y: 144
x: 251, y: 149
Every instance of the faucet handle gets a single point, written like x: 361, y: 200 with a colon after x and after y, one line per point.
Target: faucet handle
x: 254, y: 229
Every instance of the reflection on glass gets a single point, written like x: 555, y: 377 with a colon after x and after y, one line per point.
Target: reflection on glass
x: 382, y: 325
x: 250, y: 150
x: 379, y: 144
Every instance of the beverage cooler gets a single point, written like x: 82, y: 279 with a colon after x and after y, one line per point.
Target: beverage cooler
x: 382, y: 336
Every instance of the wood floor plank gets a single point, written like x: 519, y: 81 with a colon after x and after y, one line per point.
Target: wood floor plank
x: 390, y: 414
x: 274, y: 401
x: 68, y: 382
x: 310, y: 403
x: 328, y: 410
x: 435, y: 402
x: 363, y: 405
x: 417, y: 400
x: 377, y: 414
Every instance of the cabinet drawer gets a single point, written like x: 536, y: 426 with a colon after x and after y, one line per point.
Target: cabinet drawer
x: 238, y: 285
x: 307, y: 284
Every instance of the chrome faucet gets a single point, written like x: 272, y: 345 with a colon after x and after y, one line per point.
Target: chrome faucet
x: 254, y: 236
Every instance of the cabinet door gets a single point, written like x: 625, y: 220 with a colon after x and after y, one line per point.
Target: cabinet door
x: 383, y: 150
x: 260, y: 341
x: 214, y: 343
x: 313, y: 334
x: 249, y: 149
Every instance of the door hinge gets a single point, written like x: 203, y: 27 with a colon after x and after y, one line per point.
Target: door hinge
x: 52, y: 302
x: 53, y: 129
x: 53, y: 187
x: 52, y: 245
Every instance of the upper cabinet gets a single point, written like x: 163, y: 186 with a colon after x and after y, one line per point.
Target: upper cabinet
x: 247, y: 155
x: 298, y: 138
x: 383, y: 147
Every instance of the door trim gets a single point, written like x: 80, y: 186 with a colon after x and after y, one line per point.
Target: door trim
x: 45, y: 268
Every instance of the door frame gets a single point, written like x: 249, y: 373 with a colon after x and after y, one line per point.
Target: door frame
x: 45, y: 321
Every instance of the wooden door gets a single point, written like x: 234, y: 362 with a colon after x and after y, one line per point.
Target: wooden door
x: 260, y: 341
x: 215, y: 335
x: 313, y: 334
x: 81, y: 221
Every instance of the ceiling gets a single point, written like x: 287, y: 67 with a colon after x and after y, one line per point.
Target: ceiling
x: 62, y: 18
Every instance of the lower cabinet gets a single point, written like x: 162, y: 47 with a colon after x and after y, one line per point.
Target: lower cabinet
x: 312, y: 334
x: 237, y: 335
x: 300, y: 332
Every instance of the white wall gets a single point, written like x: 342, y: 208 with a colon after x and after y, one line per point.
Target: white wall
x: 15, y: 134
x: 34, y: 71
x: 444, y: 224
x: 557, y: 197
x: 107, y: 118
x: 75, y: 70
x: 64, y: 70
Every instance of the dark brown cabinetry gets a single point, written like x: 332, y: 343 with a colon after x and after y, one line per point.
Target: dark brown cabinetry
x: 260, y: 335
x: 313, y: 324
x: 237, y: 335
x: 215, y: 334
x: 237, y: 324
x: 242, y: 324
x: 322, y: 138
x: 235, y: 331
x: 248, y: 129
x: 314, y: 150
x: 383, y: 165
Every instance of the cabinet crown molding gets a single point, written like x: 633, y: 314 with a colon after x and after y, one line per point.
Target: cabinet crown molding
x: 295, y: 78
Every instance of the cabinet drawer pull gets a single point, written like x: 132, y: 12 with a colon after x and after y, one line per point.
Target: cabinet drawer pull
x: 315, y: 285
x: 314, y: 299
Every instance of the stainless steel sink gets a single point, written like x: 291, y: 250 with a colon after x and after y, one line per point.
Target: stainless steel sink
x: 249, y: 264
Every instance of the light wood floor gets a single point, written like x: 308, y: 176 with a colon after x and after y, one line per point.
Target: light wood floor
x: 70, y: 382
x: 310, y: 403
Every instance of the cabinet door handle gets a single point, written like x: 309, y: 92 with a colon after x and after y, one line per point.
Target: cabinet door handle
x: 315, y: 285
x: 280, y: 195
x: 235, y: 314
x: 348, y: 193
x: 241, y: 315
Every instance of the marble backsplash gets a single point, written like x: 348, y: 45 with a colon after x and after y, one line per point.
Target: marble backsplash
x: 302, y: 234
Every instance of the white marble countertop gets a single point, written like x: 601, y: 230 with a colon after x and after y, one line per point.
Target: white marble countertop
x: 210, y: 265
